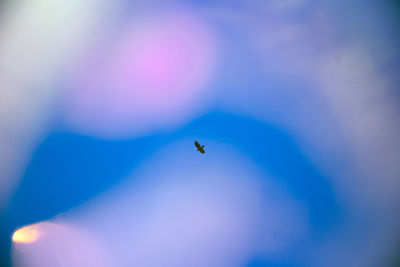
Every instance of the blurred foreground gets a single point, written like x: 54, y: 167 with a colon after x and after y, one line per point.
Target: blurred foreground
x: 296, y: 102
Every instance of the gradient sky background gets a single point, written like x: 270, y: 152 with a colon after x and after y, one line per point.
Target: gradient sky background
x: 296, y: 102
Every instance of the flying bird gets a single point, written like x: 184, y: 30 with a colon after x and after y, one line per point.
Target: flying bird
x: 199, y: 147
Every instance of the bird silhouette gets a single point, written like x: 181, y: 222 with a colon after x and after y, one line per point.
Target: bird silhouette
x: 199, y: 147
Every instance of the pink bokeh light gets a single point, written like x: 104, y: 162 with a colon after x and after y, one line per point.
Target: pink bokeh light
x: 154, y: 75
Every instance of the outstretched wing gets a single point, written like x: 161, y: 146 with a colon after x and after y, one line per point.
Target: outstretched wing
x: 201, y: 150
x: 197, y: 144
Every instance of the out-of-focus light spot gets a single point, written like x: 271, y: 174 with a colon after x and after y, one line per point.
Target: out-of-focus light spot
x: 27, y: 234
x: 154, y: 75
x: 190, y: 210
x: 60, y: 244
